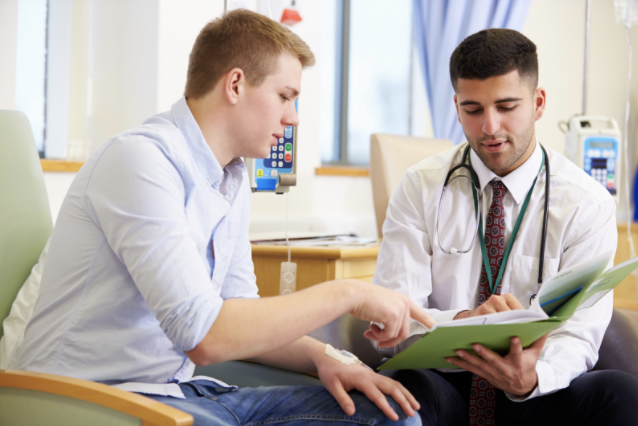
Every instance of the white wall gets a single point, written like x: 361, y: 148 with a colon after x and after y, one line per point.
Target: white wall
x: 8, y: 35
x: 558, y: 29
x: 179, y: 24
x: 342, y: 204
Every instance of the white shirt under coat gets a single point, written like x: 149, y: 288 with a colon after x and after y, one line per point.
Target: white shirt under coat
x: 581, y: 225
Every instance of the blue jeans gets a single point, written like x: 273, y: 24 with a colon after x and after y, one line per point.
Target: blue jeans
x: 292, y: 405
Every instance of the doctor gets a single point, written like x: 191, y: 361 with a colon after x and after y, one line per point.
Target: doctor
x: 495, y: 75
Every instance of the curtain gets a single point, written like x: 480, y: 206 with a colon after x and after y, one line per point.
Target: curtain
x: 440, y: 26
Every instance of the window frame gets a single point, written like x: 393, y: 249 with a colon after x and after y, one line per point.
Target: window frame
x: 340, y: 135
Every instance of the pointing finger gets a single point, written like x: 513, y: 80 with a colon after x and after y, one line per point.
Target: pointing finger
x: 420, y: 315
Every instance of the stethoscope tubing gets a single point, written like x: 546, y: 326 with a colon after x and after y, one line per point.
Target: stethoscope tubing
x: 545, y: 217
x: 474, y: 178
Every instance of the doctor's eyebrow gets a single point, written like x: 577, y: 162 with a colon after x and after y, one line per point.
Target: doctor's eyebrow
x: 508, y: 100
x: 499, y: 101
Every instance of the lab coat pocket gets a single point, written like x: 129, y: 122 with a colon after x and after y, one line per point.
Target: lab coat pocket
x: 524, y: 281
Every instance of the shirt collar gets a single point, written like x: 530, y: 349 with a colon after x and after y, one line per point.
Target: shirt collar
x: 202, y: 154
x: 517, y: 182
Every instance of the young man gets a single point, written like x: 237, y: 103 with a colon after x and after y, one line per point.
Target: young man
x: 149, y: 269
x: 495, y: 76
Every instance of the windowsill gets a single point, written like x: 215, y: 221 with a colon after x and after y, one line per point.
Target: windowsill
x: 74, y: 166
x: 342, y: 171
x: 61, y: 166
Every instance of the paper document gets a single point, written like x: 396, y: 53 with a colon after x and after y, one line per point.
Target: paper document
x: 573, y: 289
x: 327, y: 241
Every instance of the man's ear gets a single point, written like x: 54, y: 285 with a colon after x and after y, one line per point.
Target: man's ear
x: 456, y: 105
x: 540, y: 99
x: 234, y: 83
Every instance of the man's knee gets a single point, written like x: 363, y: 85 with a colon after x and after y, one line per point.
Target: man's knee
x: 617, y: 387
x: 608, y: 393
x: 404, y: 419
x: 366, y: 409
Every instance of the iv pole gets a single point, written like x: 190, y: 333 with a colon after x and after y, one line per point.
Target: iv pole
x: 586, y: 64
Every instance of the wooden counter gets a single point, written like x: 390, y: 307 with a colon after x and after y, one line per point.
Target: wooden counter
x: 318, y: 264
x: 314, y: 265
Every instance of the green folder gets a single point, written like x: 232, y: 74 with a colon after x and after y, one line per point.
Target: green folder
x: 577, y: 288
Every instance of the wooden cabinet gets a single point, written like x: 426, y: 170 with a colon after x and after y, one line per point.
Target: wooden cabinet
x: 314, y: 265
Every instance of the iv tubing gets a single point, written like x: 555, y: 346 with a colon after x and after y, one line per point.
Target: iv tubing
x: 286, y: 226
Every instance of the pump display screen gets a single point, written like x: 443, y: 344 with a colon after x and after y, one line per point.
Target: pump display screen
x: 602, y: 145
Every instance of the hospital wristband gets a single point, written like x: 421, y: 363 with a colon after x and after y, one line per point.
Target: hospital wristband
x: 344, y: 356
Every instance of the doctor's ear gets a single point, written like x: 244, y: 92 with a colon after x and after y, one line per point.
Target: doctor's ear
x: 540, y: 99
x: 456, y: 105
x: 234, y: 83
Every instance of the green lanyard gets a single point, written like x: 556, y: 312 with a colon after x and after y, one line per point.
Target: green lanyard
x: 486, y: 262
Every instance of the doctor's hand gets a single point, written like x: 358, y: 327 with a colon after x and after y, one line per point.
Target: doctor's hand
x: 339, y: 378
x: 514, y: 373
x: 494, y: 304
x: 392, y: 309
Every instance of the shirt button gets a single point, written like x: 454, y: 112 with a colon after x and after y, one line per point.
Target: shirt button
x: 207, y: 182
x: 226, y: 198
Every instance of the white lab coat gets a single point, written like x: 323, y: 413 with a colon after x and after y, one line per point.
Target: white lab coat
x: 582, y: 224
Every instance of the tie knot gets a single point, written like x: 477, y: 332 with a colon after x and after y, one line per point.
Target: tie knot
x: 499, y: 188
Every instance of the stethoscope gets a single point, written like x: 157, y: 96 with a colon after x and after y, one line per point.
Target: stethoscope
x: 478, y: 197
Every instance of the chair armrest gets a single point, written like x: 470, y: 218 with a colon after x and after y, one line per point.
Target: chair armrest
x: 619, y: 348
x: 149, y: 411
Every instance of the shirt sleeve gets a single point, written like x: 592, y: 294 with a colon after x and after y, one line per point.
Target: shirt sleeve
x: 405, y: 256
x: 136, y: 196
x: 572, y: 348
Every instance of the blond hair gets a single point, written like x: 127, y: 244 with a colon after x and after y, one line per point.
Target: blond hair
x: 241, y: 39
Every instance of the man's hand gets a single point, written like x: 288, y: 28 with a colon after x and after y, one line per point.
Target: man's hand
x: 339, y: 378
x: 390, y: 308
x: 515, y: 373
x: 494, y: 304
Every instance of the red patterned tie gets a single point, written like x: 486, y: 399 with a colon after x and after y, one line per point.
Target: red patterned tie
x: 483, y: 394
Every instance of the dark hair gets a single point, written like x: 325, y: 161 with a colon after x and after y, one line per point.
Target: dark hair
x: 494, y: 52
x: 241, y: 39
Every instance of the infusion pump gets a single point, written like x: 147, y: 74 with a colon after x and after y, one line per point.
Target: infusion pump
x: 593, y: 143
x: 277, y: 172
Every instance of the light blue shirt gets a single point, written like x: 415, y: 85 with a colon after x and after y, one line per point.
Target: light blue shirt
x: 130, y: 282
